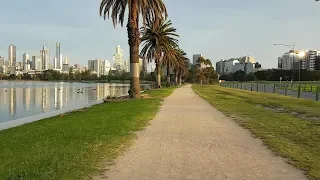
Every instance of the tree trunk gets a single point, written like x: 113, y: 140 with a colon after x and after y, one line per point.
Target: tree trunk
x: 158, y: 69
x: 180, y: 78
x: 176, y: 77
x: 134, y: 42
x: 168, y: 75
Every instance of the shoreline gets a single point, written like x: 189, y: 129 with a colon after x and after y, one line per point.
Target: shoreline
x: 26, y: 120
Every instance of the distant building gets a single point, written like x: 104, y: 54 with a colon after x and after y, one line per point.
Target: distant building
x: 12, y: 55
x: 292, y: 60
x: 25, y: 62
x: 247, y: 59
x: 118, y: 60
x: 196, y: 57
x: 280, y: 62
x: 33, y: 63
x: 65, y: 68
x: 76, y: 66
x: 55, y: 61
x: 220, y: 67
x: 44, y: 56
x: 2, y: 62
x: 58, y: 64
x: 100, y: 67
x: 247, y: 64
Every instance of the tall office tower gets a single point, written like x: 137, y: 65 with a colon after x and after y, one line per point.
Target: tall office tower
x: 33, y: 63
x: 2, y: 63
x: 58, y: 56
x: 44, y: 56
x: 55, y: 60
x: 12, y: 55
x: 25, y: 61
x: 118, y: 60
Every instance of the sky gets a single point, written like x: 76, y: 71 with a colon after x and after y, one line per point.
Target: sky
x: 217, y: 29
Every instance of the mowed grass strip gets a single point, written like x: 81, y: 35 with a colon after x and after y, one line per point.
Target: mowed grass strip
x: 283, y: 132
x: 77, y: 144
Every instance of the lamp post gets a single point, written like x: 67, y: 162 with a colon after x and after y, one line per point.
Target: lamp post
x: 291, y: 47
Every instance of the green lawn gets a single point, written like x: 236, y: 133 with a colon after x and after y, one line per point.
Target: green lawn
x: 288, y: 126
x: 76, y: 145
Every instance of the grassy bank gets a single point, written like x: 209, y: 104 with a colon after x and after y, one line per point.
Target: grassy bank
x: 77, y: 144
x: 288, y: 126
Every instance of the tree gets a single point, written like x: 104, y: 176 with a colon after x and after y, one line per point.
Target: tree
x: 250, y: 77
x: 158, y: 40
x: 239, y: 76
x: 150, y: 10
x: 71, y: 73
x: 1, y: 76
x: 200, y: 70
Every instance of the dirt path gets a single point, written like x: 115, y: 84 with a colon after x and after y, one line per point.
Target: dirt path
x: 189, y: 139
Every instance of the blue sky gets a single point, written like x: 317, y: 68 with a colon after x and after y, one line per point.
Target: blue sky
x: 218, y: 29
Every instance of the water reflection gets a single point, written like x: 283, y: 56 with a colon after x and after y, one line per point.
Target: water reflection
x: 27, y: 99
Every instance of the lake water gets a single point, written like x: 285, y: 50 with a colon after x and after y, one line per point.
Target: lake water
x: 24, y: 99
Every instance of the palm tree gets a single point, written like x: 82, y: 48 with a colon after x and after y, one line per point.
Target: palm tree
x: 181, y: 67
x: 158, y: 39
x: 150, y: 10
x: 200, y: 71
x: 170, y: 59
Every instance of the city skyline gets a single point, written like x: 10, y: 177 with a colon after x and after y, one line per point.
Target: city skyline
x: 228, y: 29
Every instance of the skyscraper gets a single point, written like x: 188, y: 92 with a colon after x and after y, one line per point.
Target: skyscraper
x: 44, y: 56
x: 25, y: 61
x: 59, y: 57
x: 12, y: 55
x: 55, y: 60
x: 33, y: 63
x: 2, y: 61
x: 118, y: 61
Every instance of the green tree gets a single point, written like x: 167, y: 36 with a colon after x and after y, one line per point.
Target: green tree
x: 71, y: 74
x: 150, y: 10
x: 1, y: 76
x: 158, y: 40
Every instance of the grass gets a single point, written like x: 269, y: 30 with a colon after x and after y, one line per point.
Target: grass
x: 77, y: 144
x: 288, y: 133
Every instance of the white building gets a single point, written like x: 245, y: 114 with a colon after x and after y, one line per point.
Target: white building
x: 229, y: 66
x: 2, y: 62
x: 44, y: 56
x: 118, y: 58
x: 100, y: 67
x: 25, y: 62
x: 58, y: 64
x: 12, y: 55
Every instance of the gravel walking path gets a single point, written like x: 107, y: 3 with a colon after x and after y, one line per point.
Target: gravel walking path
x: 189, y: 139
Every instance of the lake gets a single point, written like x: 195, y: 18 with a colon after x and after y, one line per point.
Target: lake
x: 26, y: 98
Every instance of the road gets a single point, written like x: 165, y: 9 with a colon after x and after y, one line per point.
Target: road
x: 189, y: 139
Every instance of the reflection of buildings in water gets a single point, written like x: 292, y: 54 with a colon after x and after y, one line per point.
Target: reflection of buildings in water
x: 100, y: 92
x: 55, y: 98
x: 59, y: 97
x: 45, y: 99
x: 92, y: 95
x: 112, y: 90
x: 64, y: 96
x: 12, y: 102
x: 26, y: 93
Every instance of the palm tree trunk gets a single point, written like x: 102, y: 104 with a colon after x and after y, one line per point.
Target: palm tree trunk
x: 134, y: 42
x: 176, y: 78
x: 158, y: 70
x: 168, y: 75
x: 180, y: 78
